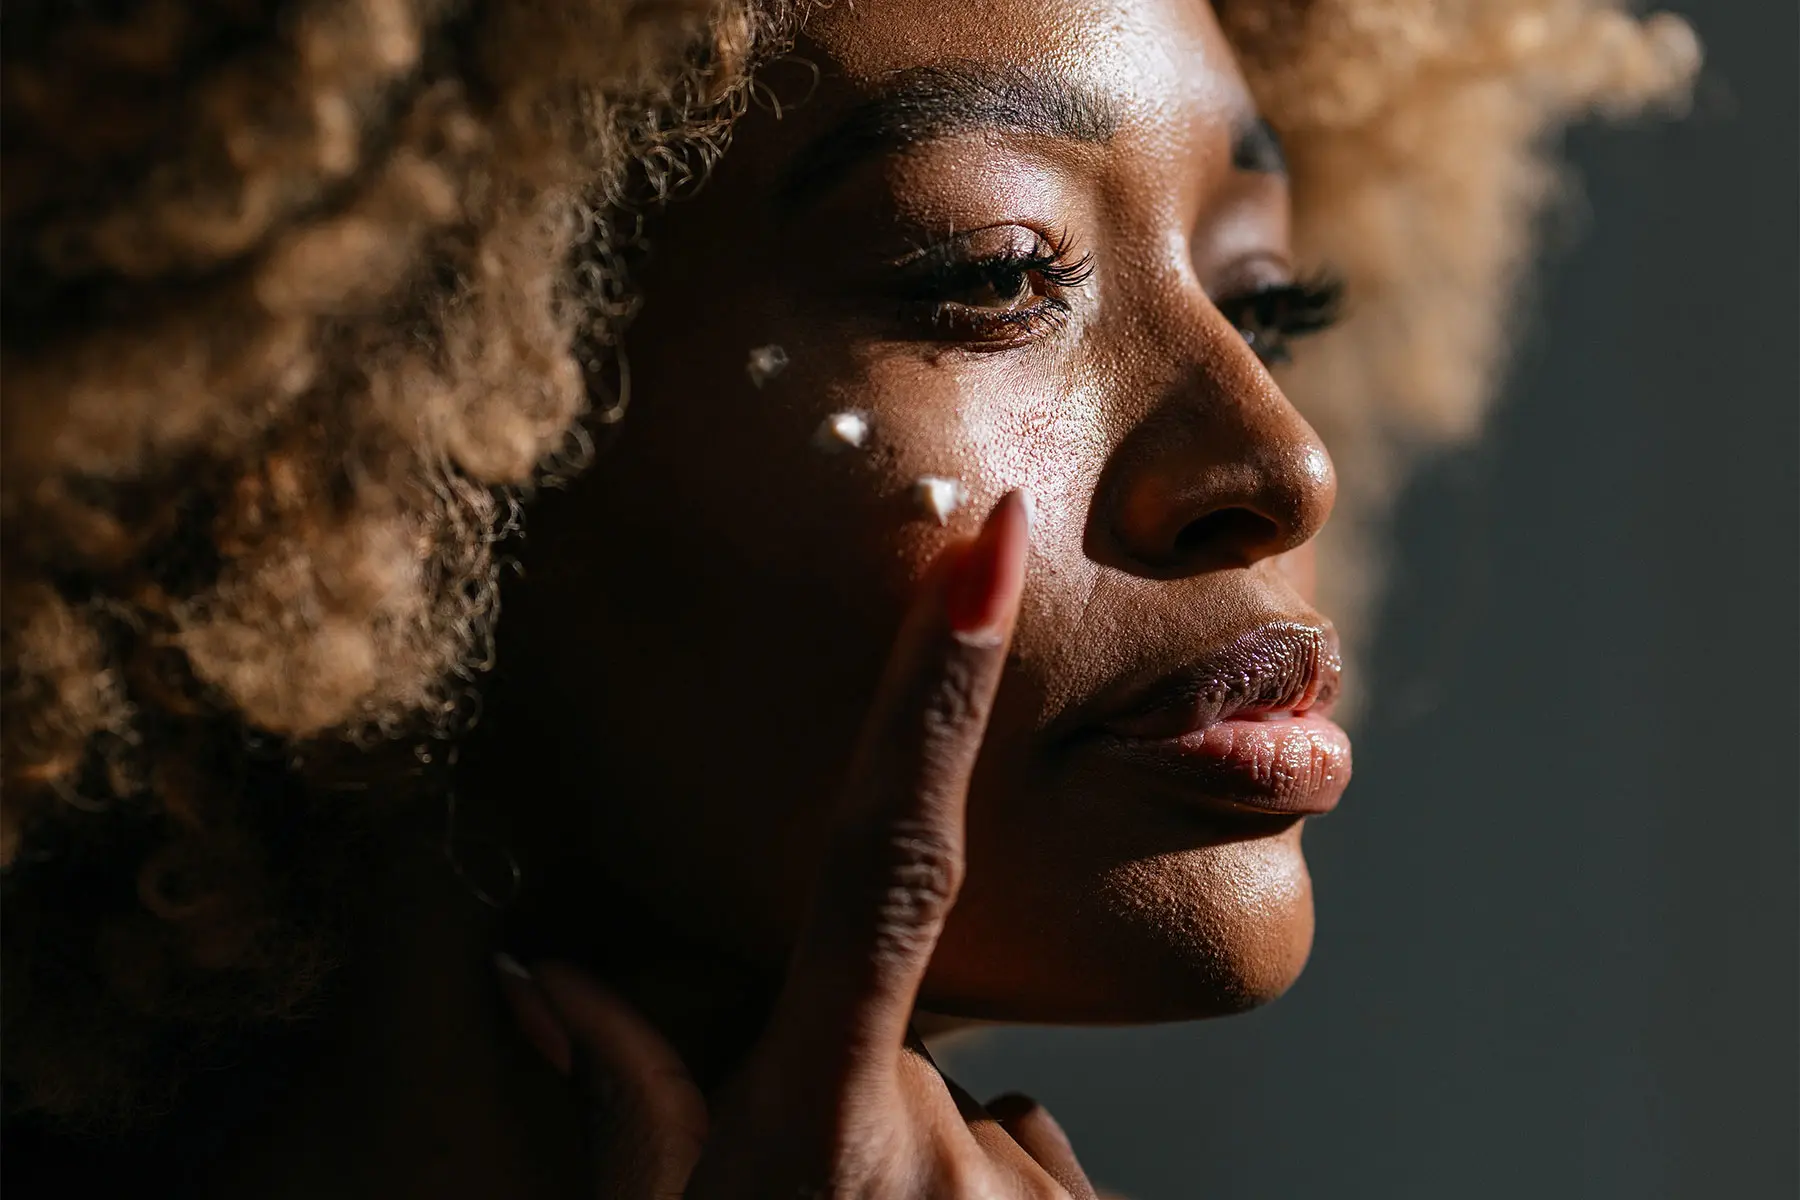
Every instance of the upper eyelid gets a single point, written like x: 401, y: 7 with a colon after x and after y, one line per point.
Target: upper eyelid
x: 928, y: 289
x: 1044, y: 253
x: 1252, y: 273
x: 946, y: 246
x: 1050, y: 255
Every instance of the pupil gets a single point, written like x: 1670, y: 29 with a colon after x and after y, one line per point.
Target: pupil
x: 1008, y: 285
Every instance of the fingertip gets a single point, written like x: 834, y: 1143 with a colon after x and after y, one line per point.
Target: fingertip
x: 1014, y: 520
x: 601, y: 1024
x: 982, y: 594
x: 1028, y: 503
x: 576, y: 999
x: 649, y: 1118
x: 534, y: 1015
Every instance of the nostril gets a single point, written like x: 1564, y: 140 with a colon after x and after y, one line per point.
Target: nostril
x: 1232, y: 534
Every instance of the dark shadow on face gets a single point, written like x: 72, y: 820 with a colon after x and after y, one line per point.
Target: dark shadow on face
x: 1037, y: 245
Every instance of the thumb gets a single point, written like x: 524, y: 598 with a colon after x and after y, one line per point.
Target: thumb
x: 645, y: 1116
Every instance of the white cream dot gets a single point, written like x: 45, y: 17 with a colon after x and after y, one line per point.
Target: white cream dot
x: 847, y: 430
x: 765, y: 363
x: 938, y: 496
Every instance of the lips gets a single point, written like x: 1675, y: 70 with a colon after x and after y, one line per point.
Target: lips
x: 1243, y: 728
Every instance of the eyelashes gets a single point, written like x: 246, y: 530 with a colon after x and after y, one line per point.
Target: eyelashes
x: 997, y: 286
x: 1270, y: 318
x: 1006, y: 285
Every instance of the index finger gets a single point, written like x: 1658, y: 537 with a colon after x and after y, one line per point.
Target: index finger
x: 895, y: 859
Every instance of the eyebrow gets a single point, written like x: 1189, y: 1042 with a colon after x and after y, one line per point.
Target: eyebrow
x: 1255, y: 146
x: 922, y: 104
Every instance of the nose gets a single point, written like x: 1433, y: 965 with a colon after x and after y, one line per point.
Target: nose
x: 1220, y: 472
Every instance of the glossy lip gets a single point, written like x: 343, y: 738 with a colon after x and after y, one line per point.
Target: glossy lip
x: 1243, y: 729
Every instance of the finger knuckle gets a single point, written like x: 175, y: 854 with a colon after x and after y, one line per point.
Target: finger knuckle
x: 961, y: 1177
x: 954, y: 702
x: 922, y: 874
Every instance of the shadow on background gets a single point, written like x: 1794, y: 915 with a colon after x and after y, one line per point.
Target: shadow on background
x: 1557, y: 937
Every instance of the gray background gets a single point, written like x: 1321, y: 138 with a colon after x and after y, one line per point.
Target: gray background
x: 1557, y: 935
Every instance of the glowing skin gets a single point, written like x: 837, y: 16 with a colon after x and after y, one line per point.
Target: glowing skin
x: 1020, y: 240
x: 702, y: 616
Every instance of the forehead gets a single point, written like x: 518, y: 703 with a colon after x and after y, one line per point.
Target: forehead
x: 1163, y: 64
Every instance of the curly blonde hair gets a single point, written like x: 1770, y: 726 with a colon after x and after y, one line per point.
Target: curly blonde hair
x: 301, y: 300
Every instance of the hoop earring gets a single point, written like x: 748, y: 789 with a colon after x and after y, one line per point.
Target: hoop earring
x: 613, y: 413
x: 496, y: 888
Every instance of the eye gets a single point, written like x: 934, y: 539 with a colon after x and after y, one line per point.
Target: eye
x: 1270, y: 318
x: 1004, y: 285
x: 999, y: 285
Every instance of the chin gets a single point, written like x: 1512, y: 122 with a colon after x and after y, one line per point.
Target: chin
x: 1209, y: 932
x: 1176, y: 937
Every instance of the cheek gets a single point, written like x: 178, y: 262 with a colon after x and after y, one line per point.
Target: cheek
x: 993, y: 424
x: 746, y: 468
x: 760, y: 579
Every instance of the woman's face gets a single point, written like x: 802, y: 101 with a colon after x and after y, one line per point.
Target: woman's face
x: 1025, y: 238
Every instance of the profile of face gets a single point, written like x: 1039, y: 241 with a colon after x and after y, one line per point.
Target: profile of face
x: 1036, y: 244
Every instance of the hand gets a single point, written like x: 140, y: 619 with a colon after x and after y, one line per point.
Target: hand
x: 837, y: 1098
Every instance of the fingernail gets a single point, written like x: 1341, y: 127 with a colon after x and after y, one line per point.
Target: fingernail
x: 533, y: 1014
x: 984, y: 586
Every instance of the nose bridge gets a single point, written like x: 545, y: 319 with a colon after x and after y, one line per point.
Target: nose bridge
x: 1219, y: 469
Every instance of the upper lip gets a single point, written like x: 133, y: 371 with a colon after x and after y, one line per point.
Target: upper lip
x: 1281, y: 667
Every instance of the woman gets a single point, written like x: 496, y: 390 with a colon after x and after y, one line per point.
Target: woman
x: 933, y: 639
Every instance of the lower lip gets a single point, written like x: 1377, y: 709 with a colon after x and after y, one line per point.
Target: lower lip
x: 1284, y: 766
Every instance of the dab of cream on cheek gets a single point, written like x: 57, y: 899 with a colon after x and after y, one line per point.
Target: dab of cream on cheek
x: 765, y: 363
x: 935, y: 496
x: 841, y: 431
